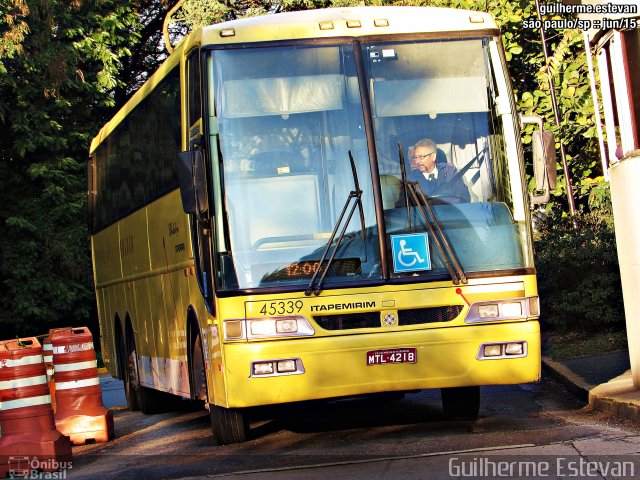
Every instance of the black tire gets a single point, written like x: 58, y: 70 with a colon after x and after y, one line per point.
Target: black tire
x: 461, y: 403
x: 130, y: 373
x: 198, y: 373
x: 147, y: 400
x: 229, y: 425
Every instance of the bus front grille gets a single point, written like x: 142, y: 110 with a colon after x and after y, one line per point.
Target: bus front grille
x: 417, y: 316
x: 347, y: 321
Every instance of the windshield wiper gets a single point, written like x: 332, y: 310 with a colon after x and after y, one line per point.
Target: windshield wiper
x: 442, y: 243
x: 355, y: 195
x: 403, y: 172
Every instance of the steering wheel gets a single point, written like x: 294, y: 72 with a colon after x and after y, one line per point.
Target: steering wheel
x: 445, y: 199
x: 281, y: 239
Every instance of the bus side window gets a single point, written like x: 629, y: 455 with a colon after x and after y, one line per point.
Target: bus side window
x: 194, y: 106
x: 469, y: 153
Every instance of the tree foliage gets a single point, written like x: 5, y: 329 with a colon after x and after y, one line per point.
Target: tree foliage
x: 13, y: 29
x: 149, y: 52
x: 60, y: 62
x: 579, y: 277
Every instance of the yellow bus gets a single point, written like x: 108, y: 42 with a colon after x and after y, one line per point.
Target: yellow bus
x: 261, y: 233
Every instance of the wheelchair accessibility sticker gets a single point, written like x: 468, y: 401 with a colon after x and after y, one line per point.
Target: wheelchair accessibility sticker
x: 410, y: 252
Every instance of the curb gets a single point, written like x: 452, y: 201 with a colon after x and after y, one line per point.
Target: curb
x: 618, y: 397
x: 570, y: 380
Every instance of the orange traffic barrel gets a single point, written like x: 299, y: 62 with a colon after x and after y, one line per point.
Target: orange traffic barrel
x: 29, y: 440
x: 47, y: 354
x: 80, y: 413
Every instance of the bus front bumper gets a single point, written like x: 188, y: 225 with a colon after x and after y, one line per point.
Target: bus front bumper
x: 339, y: 366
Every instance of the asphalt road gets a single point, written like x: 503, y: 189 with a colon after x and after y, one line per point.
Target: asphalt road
x: 370, y: 438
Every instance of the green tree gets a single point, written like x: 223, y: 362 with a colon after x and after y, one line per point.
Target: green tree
x: 59, y: 61
x: 579, y: 277
x: 13, y: 28
x: 198, y: 13
x: 149, y: 51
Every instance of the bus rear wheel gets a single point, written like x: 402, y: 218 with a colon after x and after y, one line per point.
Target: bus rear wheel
x: 229, y: 425
x: 147, y: 400
x: 461, y: 403
x: 124, y: 369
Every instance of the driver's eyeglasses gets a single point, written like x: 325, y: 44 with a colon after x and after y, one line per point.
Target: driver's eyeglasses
x: 421, y: 157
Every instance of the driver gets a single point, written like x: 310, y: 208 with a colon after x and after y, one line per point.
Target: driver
x: 436, y: 180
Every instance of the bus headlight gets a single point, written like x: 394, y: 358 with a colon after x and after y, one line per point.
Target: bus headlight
x: 277, y: 367
x: 286, y: 366
x: 507, y: 309
x: 289, y: 325
x: 261, y: 328
x: 488, y: 311
x: 267, y: 327
x: 494, y: 350
x: 511, y: 309
x: 263, y: 368
x: 516, y: 348
x: 502, y: 350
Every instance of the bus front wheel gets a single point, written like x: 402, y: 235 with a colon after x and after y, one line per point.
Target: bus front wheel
x: 461, y: 403
x: 198, y: 372
x: 229, y: 425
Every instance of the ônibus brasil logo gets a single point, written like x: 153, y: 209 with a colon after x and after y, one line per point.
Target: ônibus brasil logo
x: 36, y: 468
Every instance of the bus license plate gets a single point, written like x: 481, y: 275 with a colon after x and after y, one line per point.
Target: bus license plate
x: 392, y: 355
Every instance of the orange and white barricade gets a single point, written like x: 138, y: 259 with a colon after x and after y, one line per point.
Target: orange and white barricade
x: 47, y: 354
x: 80, y: 413
x: 29, y: 440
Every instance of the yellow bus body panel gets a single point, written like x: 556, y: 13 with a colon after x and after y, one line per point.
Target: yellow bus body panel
x: 144, y: 274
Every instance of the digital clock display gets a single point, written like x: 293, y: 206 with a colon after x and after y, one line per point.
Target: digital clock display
x: 306, y: 268
x: 301, y: 269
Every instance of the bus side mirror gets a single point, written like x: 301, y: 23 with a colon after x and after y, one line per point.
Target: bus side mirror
x: 544, y: 159
x: 544, y: 164
x: 192, y: 181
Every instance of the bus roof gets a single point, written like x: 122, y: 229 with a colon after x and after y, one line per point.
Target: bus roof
x: 305, y: 24
x: 347, y: 22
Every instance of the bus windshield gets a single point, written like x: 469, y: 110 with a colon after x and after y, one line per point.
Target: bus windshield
x: 289, y: 117
x: 434, y: 104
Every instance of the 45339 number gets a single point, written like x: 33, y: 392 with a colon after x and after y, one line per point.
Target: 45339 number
x: 283, y: 307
